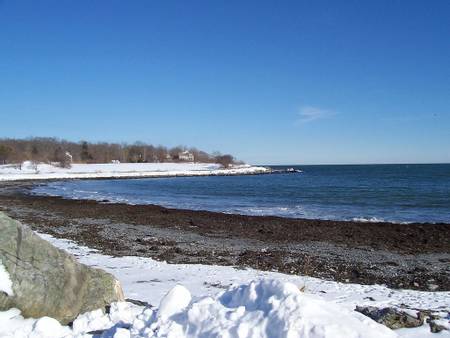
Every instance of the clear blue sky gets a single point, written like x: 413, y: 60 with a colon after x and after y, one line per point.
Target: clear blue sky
x: 268, y: 81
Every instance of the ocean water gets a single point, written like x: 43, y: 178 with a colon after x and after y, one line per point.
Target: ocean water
x: 395, y: 193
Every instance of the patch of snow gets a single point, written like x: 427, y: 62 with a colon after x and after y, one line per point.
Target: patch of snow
x: 5, y: 281
x: 41, y: 171
x: 174, y: 302
x: 121, y: 314
x: 13, y: 325
x: 421, y: 332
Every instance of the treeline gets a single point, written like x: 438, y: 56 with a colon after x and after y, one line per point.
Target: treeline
x: 53, y: 150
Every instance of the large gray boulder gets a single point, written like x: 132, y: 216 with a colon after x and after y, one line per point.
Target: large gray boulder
x: 47, y: 281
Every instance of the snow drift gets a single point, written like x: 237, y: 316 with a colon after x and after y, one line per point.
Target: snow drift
x: 266, y: 308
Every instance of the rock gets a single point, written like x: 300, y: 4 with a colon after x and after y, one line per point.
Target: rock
x: 47, y: 281
x: 138, y: 302
x: 433, y: 287
x: 435, y: 327
x: 390, y: 317
x: 370, y: 298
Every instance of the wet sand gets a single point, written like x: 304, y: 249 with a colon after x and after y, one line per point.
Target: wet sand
x: 415, y: 256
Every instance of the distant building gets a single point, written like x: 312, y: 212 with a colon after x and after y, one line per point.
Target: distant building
x: 186, y: 156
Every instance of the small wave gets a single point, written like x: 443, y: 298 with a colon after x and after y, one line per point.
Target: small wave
x: 381, y: 220
x: 368, y: 219
x: 294, y: 211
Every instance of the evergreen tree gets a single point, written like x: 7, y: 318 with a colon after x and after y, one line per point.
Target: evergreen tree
x: 34, y: 153
x: 85, y: 155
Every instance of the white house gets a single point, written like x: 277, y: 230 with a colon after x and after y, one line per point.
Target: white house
x: 186, y: 156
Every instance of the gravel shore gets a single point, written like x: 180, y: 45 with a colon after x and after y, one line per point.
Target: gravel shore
x: 414, y: 256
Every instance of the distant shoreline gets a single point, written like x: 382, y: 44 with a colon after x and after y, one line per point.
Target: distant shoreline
x: 124, y: 171
x: 125, y: 177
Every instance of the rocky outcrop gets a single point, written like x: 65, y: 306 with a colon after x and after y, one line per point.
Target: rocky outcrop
x: 47, y: 281
x: 390, y: 317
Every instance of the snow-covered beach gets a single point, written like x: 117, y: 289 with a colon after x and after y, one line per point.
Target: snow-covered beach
x: 41, y: 171
x: 199, y: 300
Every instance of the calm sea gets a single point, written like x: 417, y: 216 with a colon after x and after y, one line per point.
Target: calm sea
x: 397, y: 193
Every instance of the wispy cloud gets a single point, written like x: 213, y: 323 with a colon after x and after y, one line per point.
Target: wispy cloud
x: 310, y: 113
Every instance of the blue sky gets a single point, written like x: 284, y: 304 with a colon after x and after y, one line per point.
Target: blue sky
x: 268, y: 81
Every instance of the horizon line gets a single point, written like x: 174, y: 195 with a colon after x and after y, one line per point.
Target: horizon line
x: 381, y: 163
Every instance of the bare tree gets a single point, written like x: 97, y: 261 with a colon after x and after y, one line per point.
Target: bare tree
x: 48, y: 149
x: 136, y: 153
x: 5, y: 152
x: 175, y: 152
x: 225, y: 160
x: 62, y: 157
x: 161, y: 154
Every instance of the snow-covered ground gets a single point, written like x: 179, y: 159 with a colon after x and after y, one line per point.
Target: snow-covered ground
x: 217, y: 301
x: 30, y: 171
x: 5, y: 281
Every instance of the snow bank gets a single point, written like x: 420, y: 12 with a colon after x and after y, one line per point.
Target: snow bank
x: 266, y: 308
x: 29, y: 171
x: 5, y: 281
x: 13, y: 325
